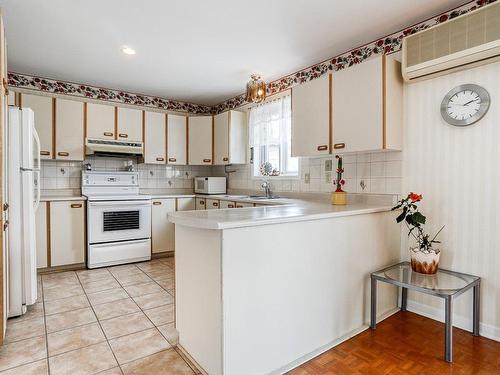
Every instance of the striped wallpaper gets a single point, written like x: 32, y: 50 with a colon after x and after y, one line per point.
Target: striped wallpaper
x: 458, y: 172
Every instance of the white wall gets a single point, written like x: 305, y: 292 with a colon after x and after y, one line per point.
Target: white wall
x: 458, y: 172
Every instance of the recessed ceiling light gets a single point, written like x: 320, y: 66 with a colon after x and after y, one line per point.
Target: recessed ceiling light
x: 128, y: 51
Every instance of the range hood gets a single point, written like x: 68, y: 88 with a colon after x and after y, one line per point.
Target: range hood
x: 113, y: 147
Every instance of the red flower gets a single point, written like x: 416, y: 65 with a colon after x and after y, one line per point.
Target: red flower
x: 415, y: 197
x: 443, y: 18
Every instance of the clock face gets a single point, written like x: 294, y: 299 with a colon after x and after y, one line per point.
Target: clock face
x: 465, y: 105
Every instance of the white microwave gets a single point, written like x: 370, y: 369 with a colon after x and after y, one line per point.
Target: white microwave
x: 210, y: 185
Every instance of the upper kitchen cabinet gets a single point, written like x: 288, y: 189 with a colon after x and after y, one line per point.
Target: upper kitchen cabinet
x: 154, y: 138
x: 100, y: 121
x: 230, y: 138
x: 200, y: 140
x: 311, y: 117
x: 368, y: 106
x: 69, y: 130
x: 176, y: 140
x: 42, y: 107
x: 129, y: 124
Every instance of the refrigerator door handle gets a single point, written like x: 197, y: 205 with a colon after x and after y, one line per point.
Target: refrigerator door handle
x: 38, y: 183
x: 38, y: 149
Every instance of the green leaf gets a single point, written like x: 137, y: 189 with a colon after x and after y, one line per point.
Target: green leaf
x: 418, y: 217
x: 401, y: 217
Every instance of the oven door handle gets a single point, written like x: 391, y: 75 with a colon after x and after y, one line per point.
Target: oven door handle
x: 120, y: 203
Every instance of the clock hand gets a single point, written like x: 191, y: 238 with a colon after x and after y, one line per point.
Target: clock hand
x: 471, y: 101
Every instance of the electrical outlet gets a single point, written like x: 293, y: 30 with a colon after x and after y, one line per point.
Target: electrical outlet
x: 307, y: 178
x: 328, y: 165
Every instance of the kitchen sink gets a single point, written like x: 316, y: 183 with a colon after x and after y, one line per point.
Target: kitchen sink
x: 263, y: 197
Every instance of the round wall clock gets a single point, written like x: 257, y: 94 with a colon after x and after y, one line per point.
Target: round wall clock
x: 465, y: 104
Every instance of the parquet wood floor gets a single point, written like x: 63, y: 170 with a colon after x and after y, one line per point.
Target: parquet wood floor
x: 407, y: 343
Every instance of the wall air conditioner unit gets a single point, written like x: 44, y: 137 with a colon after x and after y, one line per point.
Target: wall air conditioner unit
x: 469, y: 40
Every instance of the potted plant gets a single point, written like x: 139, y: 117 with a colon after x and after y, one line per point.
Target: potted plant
x: 339, y: 196
x: 424, y: 257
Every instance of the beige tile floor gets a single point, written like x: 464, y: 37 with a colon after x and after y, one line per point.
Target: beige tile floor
x: 116, y: 320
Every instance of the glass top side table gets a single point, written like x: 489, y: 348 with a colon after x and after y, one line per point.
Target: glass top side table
x: 444, y: 284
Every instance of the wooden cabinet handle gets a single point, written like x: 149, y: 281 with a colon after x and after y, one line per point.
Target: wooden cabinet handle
x: 45, y: 153
x: 156, y: 203
x: 63, y: 153
x: 5, y: 225
x: 160, y: 159
x: 215, y: 204
x: 172, y: 160
x: 202, y: 202
x: 76, y: 205
x: 123, y: 135
x: 225, y: 159
x: 336, y: 146
x: 322, y: 148
x: 108, y: 134
x: 239, y: 206
x: 230, y: 206
x: 207, y: 160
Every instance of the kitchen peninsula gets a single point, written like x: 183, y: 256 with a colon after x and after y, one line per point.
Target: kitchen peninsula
x: 279, y: 283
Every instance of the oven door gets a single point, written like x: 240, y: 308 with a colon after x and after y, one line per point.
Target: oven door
x: 110, y: 221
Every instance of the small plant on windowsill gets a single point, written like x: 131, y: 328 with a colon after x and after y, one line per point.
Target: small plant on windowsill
x: 266, y: 169
x: 424, y: 257
x: 339, y: 196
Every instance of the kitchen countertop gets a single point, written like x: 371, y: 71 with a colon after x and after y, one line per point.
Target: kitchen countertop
x: 280, y: 211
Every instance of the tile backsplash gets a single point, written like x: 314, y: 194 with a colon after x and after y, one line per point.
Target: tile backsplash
x: 378, y: 172
x: 67, y: 174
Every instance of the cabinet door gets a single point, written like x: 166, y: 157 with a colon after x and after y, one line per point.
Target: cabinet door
x: 311, y: 117
x: 67, y: 233
x: 42, y: 108
x: 201, y: 204
x: 129, y: 123
x: 41, y: 237
x: 357, y: 107
x: 11, y: 98
x: 242, y: 205
x: 100, y: 121
x: 69, y: 130
x: 162, y: 231
x: 154, y: 138
x: 176, y: 139
x: 186, y: 204
x: 200, y: 140
x: 227, y: 204
x: 238, y: 143
x: 212, y: 204
x: 221, y: 138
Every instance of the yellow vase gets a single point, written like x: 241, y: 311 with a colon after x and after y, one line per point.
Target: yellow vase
x: 339, y: 198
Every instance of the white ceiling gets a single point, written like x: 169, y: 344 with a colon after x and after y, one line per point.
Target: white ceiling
x: 201, y: 51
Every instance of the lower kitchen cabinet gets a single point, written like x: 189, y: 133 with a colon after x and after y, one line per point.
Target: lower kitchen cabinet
x: 41, y: 235
x: 242, y: 205
x: 212, y: 204
x: 162, y: 231
x: 227, y: 204
x: 67, y: 233
x: 201, y: 204
x: 186, y: 204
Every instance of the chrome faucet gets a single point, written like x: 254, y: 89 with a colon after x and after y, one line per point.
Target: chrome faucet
x: 266, y: 185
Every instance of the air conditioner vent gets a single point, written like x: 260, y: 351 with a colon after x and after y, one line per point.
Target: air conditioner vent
x: 468, y: 39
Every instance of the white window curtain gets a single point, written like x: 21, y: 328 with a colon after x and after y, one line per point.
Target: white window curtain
x: 270, y: 136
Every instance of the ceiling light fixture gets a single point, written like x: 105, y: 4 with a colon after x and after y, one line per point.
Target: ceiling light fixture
x: 128, y: 51
x: 256, y: 89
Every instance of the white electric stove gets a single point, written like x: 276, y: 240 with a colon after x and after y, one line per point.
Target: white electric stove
x: 118, y: 219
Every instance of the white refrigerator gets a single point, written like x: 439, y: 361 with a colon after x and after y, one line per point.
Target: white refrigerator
x: 23, y: 181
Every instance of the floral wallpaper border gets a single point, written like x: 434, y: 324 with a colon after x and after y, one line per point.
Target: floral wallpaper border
x: 386, y: 45
x: 116, y: 96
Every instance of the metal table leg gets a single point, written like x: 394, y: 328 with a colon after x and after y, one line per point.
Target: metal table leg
x: 475, y: 314
x: 373, y: 305
x: 404, y: 298
x: 448, y: 330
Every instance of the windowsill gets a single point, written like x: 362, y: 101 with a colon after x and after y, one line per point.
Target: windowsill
x: 276, y: 177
